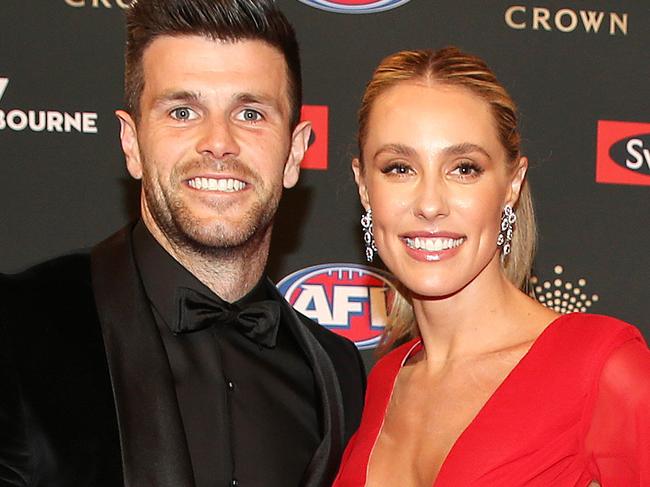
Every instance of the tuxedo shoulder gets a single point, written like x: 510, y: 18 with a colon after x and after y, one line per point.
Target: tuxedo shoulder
x: 344, y: 354
x: 349, y: 368
x: 57, y: 416
x: 64, y: 269
x: 327, y: 338
x: 57, y: 290
x: 49, y: 322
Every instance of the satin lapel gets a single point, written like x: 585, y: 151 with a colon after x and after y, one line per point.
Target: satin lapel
x: 154, y: 448
x: 325, y: 462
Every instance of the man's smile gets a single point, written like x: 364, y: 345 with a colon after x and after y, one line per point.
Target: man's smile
x: 228, y: 185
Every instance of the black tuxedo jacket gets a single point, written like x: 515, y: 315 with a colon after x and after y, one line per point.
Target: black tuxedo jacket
x: 86, y: 393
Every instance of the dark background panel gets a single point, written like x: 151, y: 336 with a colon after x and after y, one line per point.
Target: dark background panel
x: 68, y: 191
x: 60, y: 191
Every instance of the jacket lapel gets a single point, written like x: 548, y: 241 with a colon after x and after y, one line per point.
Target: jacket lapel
x: 153, y: 444
x: 325, y: 462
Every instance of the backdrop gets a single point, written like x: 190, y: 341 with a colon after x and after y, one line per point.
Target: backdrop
x: 578, y: 69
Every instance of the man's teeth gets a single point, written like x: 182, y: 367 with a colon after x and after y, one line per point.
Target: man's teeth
x: 211, y: 184
x: 434, y: 244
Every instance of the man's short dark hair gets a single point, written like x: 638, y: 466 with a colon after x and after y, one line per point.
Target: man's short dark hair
x: 223, y: 20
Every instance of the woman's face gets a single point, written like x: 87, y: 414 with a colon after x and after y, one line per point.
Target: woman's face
x: 436, y: 178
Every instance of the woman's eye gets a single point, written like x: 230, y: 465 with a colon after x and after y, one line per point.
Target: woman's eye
x: 396, y: 168
x: 250, y: 115
x: 467, y: 169
x: 183, y: 114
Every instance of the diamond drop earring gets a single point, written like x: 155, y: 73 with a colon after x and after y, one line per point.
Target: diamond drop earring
x: 508, y: 219
x: 368, y: 237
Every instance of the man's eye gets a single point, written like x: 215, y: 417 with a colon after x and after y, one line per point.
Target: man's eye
x: 183, y: 114
x: 250, y: 115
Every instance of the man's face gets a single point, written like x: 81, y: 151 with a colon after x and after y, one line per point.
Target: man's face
x: 213, y: 145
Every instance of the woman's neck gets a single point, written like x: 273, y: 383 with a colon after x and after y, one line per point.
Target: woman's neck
x: 487, y: 315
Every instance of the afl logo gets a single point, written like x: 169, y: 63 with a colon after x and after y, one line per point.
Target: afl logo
x: 348, y: 299
x: 355, y: 6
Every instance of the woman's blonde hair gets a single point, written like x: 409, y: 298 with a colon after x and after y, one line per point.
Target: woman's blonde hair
x: 451, y: 66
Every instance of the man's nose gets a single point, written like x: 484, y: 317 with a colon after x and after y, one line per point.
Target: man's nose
x: 217, y: 139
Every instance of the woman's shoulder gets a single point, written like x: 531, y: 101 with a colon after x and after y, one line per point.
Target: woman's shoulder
x: 594, y: 330
x: 622, y: 400
x: 625, y: 371
x: 574, y: 348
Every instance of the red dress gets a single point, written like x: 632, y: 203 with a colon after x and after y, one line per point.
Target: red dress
x: 576, y: 408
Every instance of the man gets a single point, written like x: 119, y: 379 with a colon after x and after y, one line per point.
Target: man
x: 166, y: 358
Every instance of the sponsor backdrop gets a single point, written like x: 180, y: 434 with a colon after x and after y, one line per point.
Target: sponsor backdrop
x: 578, y: 69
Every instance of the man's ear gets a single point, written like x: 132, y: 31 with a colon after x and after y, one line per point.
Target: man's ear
x: 299, y: 145
x: 517, y: 181
x: 361, y: 182
x: 129, y: 140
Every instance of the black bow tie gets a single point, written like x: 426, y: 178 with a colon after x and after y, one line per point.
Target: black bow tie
x: 258, y: 321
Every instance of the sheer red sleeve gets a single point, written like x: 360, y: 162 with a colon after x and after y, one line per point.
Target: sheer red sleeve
x: 618, y: 434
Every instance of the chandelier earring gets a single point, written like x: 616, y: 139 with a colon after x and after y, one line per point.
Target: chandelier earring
x: 368, y: 237
x: 508, y: 219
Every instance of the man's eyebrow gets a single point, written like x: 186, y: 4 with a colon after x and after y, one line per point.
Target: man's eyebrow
x: 397, y: 149
x: 257, y: 98
x: 175, y: 96
x: 465, y: 148
x: 194, y: 96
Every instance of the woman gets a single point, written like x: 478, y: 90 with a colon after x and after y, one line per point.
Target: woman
x: 493, y: 389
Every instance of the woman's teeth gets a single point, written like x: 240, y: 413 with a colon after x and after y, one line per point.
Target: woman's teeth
x: 433, y: 244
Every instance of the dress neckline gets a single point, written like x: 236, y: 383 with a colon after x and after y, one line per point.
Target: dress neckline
x: 416, y: 345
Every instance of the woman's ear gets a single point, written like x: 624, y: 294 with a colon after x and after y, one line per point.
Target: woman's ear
x: 357, y: 169
x: 517, y: 181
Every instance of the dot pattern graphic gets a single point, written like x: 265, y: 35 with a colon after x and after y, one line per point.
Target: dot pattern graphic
x: 562, y: 296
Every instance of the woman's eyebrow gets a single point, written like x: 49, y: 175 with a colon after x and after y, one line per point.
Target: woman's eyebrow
x: 465, y: 148
x: 397, y: 149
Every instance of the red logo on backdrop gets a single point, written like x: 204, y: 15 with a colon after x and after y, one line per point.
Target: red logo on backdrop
x: 623, y: 153
x: 348, y: 299
x: 355, y: 6
x: 316, y: 155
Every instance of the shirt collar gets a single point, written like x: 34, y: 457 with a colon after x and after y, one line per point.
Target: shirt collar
x: 161, y: 275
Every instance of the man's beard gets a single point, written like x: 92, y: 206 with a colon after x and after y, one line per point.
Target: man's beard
x: 189, y: 234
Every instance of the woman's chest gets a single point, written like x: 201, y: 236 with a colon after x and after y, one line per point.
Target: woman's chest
x: 426, y: 416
